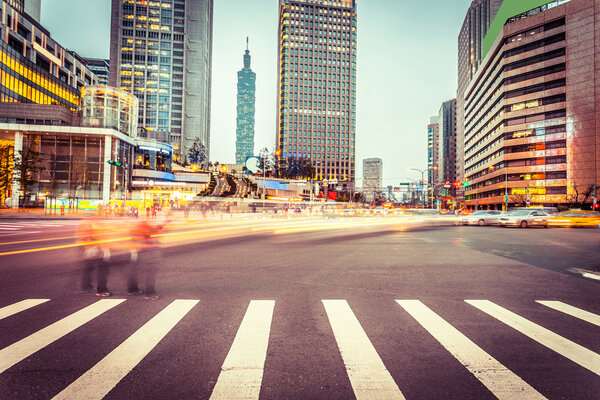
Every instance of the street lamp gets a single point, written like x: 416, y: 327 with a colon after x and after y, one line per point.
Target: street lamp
x: 422, y: 171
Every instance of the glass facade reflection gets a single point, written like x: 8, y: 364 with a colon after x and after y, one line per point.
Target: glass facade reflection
x: 107, y: 107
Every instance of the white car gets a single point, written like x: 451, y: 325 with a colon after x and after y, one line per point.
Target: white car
x: 483, y: 217
x: 525, y: 218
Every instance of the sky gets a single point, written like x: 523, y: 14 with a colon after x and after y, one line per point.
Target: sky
x: 406, y: 67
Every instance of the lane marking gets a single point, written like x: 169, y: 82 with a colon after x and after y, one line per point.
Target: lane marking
x: 571, y: 350
x: 22, y: 349
x: 585, y: 273
x: 572, y: 311
x: 502, y: 382
x: 242, y: 371
x: 108, y: 372
x: 20, y: 306
x: 36, y: 240
x: 9, y: 229
x: 369, y: 377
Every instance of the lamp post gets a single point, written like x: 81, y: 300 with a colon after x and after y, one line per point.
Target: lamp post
x: 422, y: 171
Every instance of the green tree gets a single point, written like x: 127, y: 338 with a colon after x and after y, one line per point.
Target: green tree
x: 197, y: 153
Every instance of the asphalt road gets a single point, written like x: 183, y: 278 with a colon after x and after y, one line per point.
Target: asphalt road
x: 308, y: 309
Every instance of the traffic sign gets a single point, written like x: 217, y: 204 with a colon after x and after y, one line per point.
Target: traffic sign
x: 443, y: 192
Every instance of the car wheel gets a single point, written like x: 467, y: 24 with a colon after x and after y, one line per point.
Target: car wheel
x: 523, y: 224
x: 481, y: 222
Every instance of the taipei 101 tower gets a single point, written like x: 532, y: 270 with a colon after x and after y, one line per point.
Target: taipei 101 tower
x: 246, y: 87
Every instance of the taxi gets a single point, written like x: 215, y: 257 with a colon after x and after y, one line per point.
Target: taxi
x: 574, y: 219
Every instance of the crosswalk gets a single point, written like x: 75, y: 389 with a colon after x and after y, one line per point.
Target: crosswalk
x: 242, y: 370
x: 29, y: 227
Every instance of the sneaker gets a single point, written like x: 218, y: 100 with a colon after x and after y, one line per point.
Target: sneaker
x: 151, y: 297
x: 136, y: 292
x: 105, y: 293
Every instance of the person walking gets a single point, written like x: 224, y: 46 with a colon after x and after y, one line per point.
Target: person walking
x: 148, y: 256
x: 93, y: 259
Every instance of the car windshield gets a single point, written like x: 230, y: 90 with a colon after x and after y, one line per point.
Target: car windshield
x: 480, y: 212
x: 519, y: 213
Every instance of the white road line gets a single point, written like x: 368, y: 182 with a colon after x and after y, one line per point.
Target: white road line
x: 369, y: 377
x: 242, y: 371
x: 2, y: 234
x: 104, y: 376
x: 502, y: 382
x: 572, y: 311
x: 20, y: 306
x: 9, y: 229
x: 22, y: 349
x: 571, y: 350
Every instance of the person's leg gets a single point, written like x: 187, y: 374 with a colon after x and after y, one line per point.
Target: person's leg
x: 101, y: 278
x: 86, y: 276
x: 132, y: 281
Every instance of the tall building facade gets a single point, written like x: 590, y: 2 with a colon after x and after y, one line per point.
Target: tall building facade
x: 34, y: 68
x: 531, y: 119
x: 447, y: 142
x: 100, y: 68
x: 433, y: 131
x: 246, y: 100
x: 372, y: 173
x: 477, y: 21
x: 161, y: 51
x: 317, y: 86
x: 29, y: 7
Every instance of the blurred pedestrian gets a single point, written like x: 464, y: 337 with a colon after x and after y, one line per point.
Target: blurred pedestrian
x: 93, y: 259
x: 62, y: 209
x: 148, y: 256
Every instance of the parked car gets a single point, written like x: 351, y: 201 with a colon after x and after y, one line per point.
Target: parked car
x: 525, y: 218
x: 482, y: 217
x: 575, y: 219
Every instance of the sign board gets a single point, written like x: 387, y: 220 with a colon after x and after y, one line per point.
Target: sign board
x: 333, y: 181
x: 443, y: 192
x: 447, y: 186
x: 447, y: 198
x: 396, y: 189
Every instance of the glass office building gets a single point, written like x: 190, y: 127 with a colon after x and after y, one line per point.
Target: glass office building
x: 161, y: 51
x: 317, y: 86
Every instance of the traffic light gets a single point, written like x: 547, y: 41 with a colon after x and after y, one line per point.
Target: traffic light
x: 115, y: 163
x: 596, y: 206
x: 466, y: 183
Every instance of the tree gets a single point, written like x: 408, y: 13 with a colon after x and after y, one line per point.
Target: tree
x: 266, y: 160
x: 27, y: 164
x: 359, y: 197
x: 197, y: 153
x: 579, y: 195
x: 6, y: 172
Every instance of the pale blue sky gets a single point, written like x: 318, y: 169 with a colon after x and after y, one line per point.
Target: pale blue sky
x: 406, y: 69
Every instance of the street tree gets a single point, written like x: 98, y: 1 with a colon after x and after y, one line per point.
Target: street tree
x: 6, y: 172
x: 579, y: 195
x: 197, y: 153
x: 28, y: 163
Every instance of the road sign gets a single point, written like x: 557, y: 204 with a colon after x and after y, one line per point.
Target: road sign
x: 443, y: 192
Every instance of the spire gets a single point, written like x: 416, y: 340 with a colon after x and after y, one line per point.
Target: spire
x: 247, y: 56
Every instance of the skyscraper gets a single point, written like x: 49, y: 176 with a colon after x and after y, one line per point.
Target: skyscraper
x: 372, y: 172
x: 447, y: 142
x: 317, y: 86
x: 432, y: 152
x: 161, y: 51
x: 246, y: 99
x: 477, y: 21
